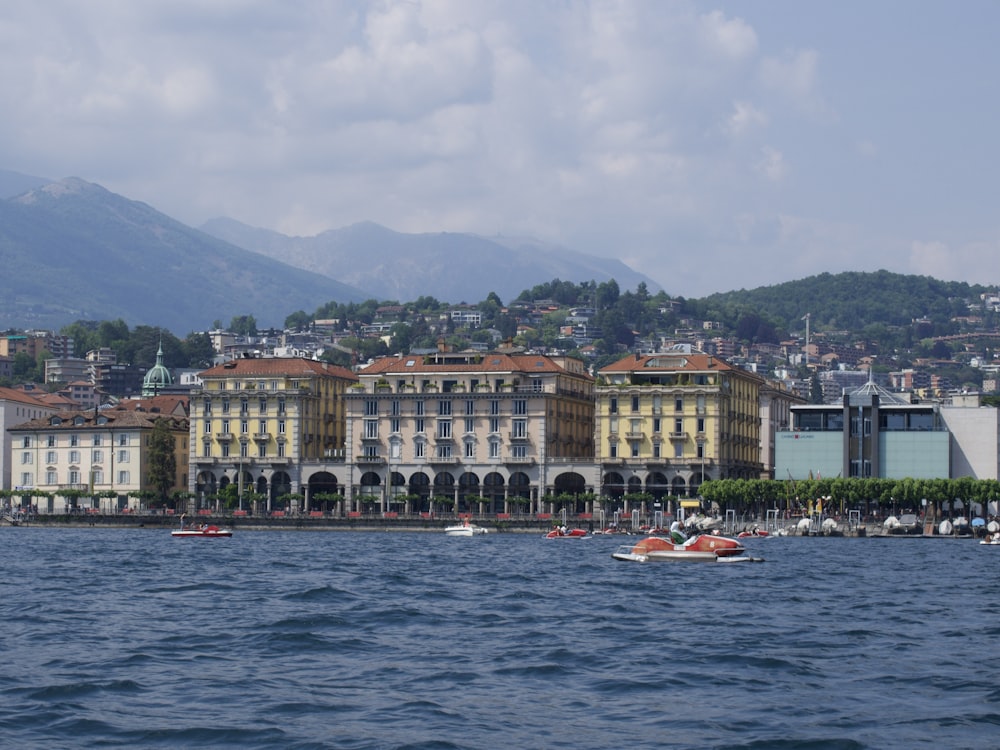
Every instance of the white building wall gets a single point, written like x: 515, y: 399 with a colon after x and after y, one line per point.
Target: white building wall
x: 975, y: 441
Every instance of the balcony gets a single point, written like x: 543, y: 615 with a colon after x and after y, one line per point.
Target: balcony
x: 515, y: 437
x: 520, y: 460
x: 678, y: 436
x: 262, y: 436
x: 369, y: 460
x: 635, y: 435
x: 224, y: 437
x: 450, y: 460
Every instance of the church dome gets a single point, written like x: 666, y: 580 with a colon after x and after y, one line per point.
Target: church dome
x: 157, y: 377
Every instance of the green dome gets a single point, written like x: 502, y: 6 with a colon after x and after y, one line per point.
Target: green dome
x: 157, y: 377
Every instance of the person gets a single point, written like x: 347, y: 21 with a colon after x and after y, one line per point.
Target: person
x: 183, y: 519
x: 677, y: 531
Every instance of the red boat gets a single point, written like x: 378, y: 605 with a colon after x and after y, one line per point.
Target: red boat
x: 700, y: 548
x: 754, y: 532
x: 208, y: 532
x: 567, y: 534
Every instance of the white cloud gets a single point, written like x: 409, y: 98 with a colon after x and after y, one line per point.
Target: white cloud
x: 672, y: 132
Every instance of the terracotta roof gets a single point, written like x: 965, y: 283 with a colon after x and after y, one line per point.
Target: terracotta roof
x: 12, y: 394
x: 116, y: 418
x: 490, y: 362
x: 162, y: 405
x: 277, y: 367
x: 671, y: 362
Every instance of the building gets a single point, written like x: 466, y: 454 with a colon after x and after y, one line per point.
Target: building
x: 495, y: 432
x: 871, y: 433
x: 97, y: 460
x: 667, y: 422
x: 17, y: 407
x: 272, y: 426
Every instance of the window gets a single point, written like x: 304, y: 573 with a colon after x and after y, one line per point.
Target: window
x: 74, y: 440
x: 281, y: 449
x: 225, y: 406
x: 444, y: 450
x: 678, y: 404
x: 494, y: 407
x: 97, y: 457
x: 50, y: 477
x: 281, y: 426
x: 613, y: 405
x: 74, y: 476
x: 97, y: 439
x: 371, y: 408
x: 395, y: 450
x: 470, y: 406
x: 27, y: 479
x: 225, y: 450
x: 656, y: 425
x: 263, y: 405
x: 444, y: 428
x: 262, y: 449
x: 635, y: 403
x: 634, y: 448
x: 519, y: 407
x: 26, y: 458
x: 418, y: 449
x: 74, y: 457
x: 656, y: 450
x: 124, y: 477
x: 206, y: 448
x: 635, y: 426
x: 701, y: 424
x: 208, y: 428
x: 244, y: 450
x: 262, y: 427
x: 394, y: 425
x: 371, y: 429
x: 678, y: 426
x: 123, y: 440
x: 518, y: 451
x: 50, y: 441
x: 50, y: 457
x: 418, y: 425
x: 613, y: 450
x: 123, y: 457
x: 371, y: 451
x: 519, y: 428
x: 470, y: 425
x: 225, y: 426
x: 244, y: 427
x: 444, y: 408
x: 98, y: 475
x: 281, y: 406
x: 701, y: 450
x: 470, y: 449
x: 394, y: 408
x: 679, y: 450
x: 494, y: 425
x: 494, y: 449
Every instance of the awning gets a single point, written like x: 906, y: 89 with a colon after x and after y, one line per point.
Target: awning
x: 690, y: 503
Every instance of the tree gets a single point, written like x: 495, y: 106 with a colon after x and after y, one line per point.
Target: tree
x: 162, y: 459
x: 244, y: 325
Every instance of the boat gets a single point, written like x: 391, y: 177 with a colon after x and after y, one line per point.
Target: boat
x: 206, y: 532
x: 699, y: 548
x: 991, y: 539
x: 465, y: 529
x: 567, y: 534
x: 753, y: 532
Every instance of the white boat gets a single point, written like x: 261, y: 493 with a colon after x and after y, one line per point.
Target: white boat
x: 207, y: 532
x: 465, y: 529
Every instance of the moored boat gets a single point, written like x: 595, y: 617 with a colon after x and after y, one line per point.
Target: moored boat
x: 465, y: 529
x: 700, y: 548
x: 563, y: 533
x: 207, y: 532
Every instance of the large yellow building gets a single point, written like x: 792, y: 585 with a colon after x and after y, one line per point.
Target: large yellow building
x: 667, y: 422
x: 272, y: 426
x: 478, y: 429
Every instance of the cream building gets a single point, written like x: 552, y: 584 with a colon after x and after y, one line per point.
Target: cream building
x: 95, y: 453
x: 488, y: 432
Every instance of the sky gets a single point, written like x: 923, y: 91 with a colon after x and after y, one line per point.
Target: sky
x: 712, y: 146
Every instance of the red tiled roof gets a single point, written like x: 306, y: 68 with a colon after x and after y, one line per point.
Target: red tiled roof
x: 491, y: 362
x: 12, y: 394
x: 277, y: 367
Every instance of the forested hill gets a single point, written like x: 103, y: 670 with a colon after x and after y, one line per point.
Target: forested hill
x: 845, y: 301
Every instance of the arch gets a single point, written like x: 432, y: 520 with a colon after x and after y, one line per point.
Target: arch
x: 468, y: 487
x: 493, y: 486
x: 206, y: 483
x: 657, y: 485
x: 323, y: 483
x: 420, y: 485
x: 678, y: 487
x: 571, y: 483
x: 634, y: 485
x: 370, y: 484
x: 614, y: 484
x: 281, y: 484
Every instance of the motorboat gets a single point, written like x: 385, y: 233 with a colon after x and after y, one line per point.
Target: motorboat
x: 753, y: 532
x: 206, y: 532
x: 465, y: 529
x: 991, y: 539
x: 567, y: 534
x: 699, y: 548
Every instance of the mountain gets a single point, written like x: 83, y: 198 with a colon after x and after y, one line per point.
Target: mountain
x: 450, y: 267
x: 15, y: 183
x: 75, y: 251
